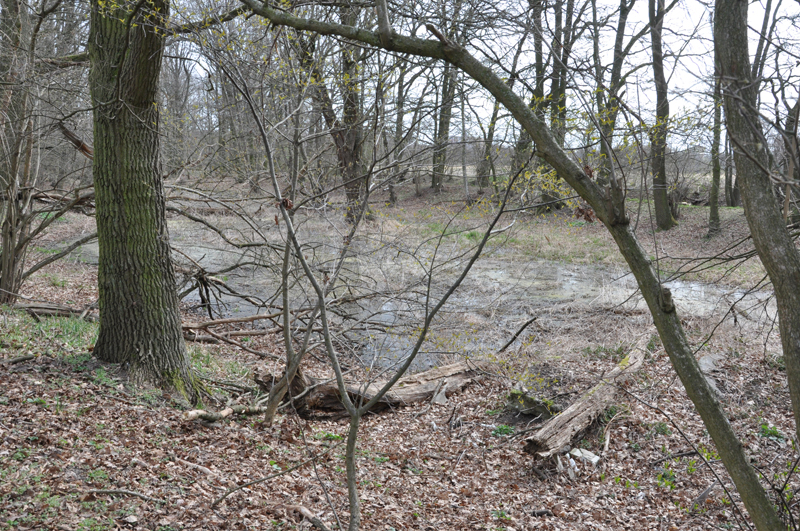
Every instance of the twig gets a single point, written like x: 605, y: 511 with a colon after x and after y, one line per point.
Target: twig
x: 204, y: 470
x: 435, y: 392
x: 307, y: 514
x: 123, y: 492
x: 516, y: 335
x: 241, y: 346
x: 701, y: 498
x: 20, y: 359
x: 271, y: 476
x: 673, y: 456
x: 705, y: 461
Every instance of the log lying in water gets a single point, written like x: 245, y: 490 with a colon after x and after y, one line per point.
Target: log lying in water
x: 322, y: 400
x: 560, y: 430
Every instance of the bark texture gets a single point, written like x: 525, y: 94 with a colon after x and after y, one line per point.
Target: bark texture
x: 15, y: 144
x: 658, y: 135
x: 771, y: 238
x: 560, y: 430
x: 139, y: 319
x: 713, y: 199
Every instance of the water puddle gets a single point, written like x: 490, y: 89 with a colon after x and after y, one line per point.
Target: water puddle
x: 500, y: 293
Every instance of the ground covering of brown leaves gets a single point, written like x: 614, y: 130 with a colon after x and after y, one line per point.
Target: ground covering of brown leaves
x: 80, y: 450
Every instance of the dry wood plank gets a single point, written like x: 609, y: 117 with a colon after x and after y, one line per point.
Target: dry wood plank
x: 560, y: 430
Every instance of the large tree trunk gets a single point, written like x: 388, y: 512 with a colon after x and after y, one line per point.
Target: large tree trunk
x: 771, y: 238
x: 139, y: 318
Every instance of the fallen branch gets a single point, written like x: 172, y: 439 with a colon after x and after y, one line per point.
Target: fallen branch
x: 673, y: 456
x: 231, y: 320
x: 38, y: 309
x: 211, y: 416
x: 306, y: 513
x: 324, y: 400
x: 191, y: 335
x: 201, y: 468
x: 20, y: 359
x: 123, y: 492
x: 559, y: 431
x: 275, y: 475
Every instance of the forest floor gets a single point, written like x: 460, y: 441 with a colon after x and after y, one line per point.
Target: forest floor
x: 80, y: 449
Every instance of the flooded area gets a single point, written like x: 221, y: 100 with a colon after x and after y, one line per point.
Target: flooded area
x: 383, y: 295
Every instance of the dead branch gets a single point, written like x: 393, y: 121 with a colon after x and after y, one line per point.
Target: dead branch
x: 38, y: 309
x: 123, y: 492
x: 271, y: 476
x: 211, y: 416
x: 204, y: 470
x: 324, y: 400
x: 306, y: 513
x: 75, y: 140
x: 20, y: 359
x: 231, y: 320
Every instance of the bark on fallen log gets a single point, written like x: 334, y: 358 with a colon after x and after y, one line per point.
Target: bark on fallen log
x: 560, y: 430
x: 324, y: 401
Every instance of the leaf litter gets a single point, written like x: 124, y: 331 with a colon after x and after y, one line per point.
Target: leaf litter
x: 80, y: 450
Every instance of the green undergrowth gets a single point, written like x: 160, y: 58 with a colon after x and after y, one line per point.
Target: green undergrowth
x: 66, y: 337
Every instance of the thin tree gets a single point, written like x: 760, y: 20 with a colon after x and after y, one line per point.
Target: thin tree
x: 658, y: 133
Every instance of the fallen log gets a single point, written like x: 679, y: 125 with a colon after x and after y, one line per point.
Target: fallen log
x: 323, y: 401
x: 560, y: 430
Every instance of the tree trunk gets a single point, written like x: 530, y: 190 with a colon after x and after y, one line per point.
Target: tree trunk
x: 355, y: 183
x: 731, y: 186
x: 443, y: 128
x: 139, y: 318
x: 13, y: 120
x: 658, y: 135
x: 772, y: 240
x: 713, y: 199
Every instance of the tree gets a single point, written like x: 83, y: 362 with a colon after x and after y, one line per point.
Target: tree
x: 608, y: 200
x: 713, y: 199
x: 139, y: 317
x: 28, y: 89
x: 772, y: 240
x: 347, y: 133
x: 658, y: 134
